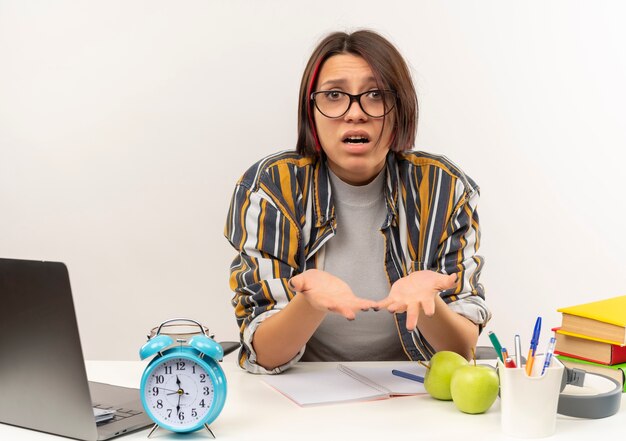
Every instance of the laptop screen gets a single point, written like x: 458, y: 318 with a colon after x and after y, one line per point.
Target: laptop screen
x: 42, y: 372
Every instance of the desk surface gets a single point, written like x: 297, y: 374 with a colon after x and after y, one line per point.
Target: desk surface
x: 254, y: 411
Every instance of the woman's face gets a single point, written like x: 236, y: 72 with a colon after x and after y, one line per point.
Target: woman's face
x: 356, y: 144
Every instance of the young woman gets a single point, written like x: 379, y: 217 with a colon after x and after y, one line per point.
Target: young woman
x: 354, y: 225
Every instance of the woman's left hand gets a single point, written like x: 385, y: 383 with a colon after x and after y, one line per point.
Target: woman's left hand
x: 418, y: 289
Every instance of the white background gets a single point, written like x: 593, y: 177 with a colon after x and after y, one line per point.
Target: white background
x: 124, y: 125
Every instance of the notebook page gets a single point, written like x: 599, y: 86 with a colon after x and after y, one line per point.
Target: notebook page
x: 394, y: 384
x: 324, y: 386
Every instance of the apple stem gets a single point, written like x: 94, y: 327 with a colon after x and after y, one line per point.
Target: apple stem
x: 423, y: 364
x: 474, y: 355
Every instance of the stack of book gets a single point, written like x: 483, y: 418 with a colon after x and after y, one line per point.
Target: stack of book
x: 592, y: 337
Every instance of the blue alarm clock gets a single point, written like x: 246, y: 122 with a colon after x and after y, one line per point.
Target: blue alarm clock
x: 183, y: 388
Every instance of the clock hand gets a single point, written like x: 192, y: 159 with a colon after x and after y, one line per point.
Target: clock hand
x: 179, y: 393
x: 169, y: 390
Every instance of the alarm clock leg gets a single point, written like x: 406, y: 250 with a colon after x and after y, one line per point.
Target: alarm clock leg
x: 210, y: 431
x: 153, y: 429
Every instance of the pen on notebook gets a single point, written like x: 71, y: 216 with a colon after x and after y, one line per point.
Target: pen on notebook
x: 407, y: 375
x: 533, y: 347
x: 496, y: 344
x: 549, y: 354
x: 518, y: 350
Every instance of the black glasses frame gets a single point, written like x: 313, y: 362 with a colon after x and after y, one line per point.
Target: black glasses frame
x: 356, y: 98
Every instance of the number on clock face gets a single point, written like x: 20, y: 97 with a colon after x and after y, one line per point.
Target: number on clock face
x: 179, y: 392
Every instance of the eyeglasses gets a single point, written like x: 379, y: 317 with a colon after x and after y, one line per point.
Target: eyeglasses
x: 335, y: 104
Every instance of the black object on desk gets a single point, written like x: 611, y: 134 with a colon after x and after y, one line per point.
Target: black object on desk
x: 229, y: 346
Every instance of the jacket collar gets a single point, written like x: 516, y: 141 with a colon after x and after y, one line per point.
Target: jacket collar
x: 324, y: 208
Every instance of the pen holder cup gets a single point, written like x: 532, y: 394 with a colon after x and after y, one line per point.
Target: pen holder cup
x: 528, y: 404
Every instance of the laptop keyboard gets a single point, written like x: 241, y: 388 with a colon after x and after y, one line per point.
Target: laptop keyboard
x: 120, y: 413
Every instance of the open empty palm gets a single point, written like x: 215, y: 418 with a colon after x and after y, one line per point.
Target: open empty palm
x: 415, y: 291
x: 326, y: 292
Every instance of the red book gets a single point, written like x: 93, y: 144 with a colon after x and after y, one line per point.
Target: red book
x: 591, y: 349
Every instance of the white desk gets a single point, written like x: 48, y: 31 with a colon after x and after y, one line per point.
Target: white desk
x: 254, y: 412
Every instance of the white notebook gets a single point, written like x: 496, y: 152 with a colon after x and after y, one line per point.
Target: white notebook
x: 340, y: 383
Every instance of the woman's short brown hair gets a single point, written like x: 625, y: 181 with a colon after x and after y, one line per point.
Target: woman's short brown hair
x: 390, y: 71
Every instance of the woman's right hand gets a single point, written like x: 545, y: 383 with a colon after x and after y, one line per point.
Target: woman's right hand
x: 325, y: 292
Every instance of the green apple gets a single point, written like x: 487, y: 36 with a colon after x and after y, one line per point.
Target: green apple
x: 474, y: 388
x: 439, y: 373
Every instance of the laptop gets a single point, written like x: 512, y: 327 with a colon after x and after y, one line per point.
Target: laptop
x: 43, y: 382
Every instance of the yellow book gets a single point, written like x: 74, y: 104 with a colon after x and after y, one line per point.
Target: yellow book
x: 586, y: 337
x: 603, y: 319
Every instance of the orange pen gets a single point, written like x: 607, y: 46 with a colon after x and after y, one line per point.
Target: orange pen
x: 529, y: 362
x: 533, y: 347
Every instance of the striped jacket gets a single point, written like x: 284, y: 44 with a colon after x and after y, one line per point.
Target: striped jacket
x: 282, y: 214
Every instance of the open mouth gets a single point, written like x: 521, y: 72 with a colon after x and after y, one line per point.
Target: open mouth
x: 356, y: 140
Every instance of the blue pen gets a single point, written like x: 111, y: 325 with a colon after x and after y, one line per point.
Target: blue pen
x: 533, y: 347
x: 549, y: 354
x: 407, y: 375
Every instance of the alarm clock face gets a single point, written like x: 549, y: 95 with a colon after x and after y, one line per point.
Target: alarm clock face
x: 179, y: 392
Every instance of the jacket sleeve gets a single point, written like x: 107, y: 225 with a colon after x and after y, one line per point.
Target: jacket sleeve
x: 266, y: 237
x: 457, y: 253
